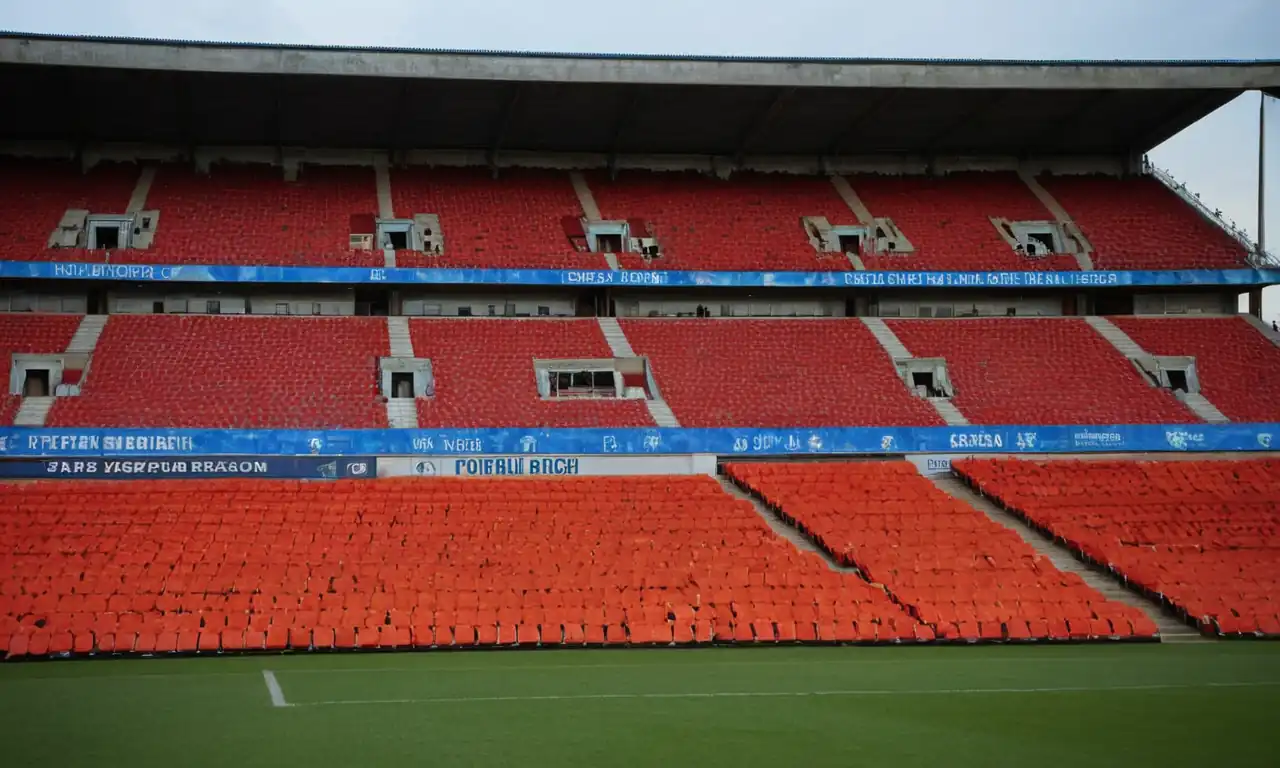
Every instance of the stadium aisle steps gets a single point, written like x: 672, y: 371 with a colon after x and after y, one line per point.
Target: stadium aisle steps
x: 1171, y: 628
x: 30, y: 334
x: 950, y: 566
x: 780, y: 526
x: 1199, y: 536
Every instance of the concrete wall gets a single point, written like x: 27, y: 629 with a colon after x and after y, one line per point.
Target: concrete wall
x: 962, y: 305
x: 17, y: 301
x: 487, y: 305
x: 1184, y: 304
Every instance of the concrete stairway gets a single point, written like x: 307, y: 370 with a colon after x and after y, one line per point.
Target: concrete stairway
x: 33, y: 411
x: 87, y: 334
x: 585, y: 198
x: 398, y: 335
x: 1171, y: 628
x: 614, y: 335
x: 1200, y: 405
x: 887, y: 338
x: 893, y: 346
x: 1118, y: 338
x: 949, y: 412
x: 661, y: 413
x: 402, y: 413
x: 780, y: 526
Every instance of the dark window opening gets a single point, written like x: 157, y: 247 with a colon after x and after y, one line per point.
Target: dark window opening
x: 1011, y: 312
x: 398, y: 240
x: 107, y: 237
x: 1178, y: 381
x: 402, y: 385
x: 464, y: 311
x: 544, y: 311
x: 583, y: 384
x: 213, y: 307
x: 609, y: 243
x: 1040, y: 243
x: 157, y: 307
x: 36, y: 383
x: 850, y: 244
x: 925, y: 379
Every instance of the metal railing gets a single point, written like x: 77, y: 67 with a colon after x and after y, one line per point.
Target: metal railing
x: 1256, y: 256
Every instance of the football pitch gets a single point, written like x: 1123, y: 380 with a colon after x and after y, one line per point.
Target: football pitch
x: 1131, y: 705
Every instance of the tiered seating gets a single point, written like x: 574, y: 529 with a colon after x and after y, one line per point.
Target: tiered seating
x: 749, y: 222
x: 775, y: 373
x: 1204, y: 536
x: 485, y: 376
x: 154, y: 567
x: 948, y: 220
x: 1138, y: 223
x: 29, y: 334
x: 249, y: 215
x: 513, y: 221
x: 36, y: 194
x: 959, y: 572
x: 231, y: 372
x: 1039, y: 371
x: 1235, y: 363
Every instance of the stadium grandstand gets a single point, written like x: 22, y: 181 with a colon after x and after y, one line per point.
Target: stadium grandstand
x: 315, y: 349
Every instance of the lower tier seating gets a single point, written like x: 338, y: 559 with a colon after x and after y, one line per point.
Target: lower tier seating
x: 1204, y: 536
x: 1039, y: 371
x: 1235, y: 363
x: 952, y: 567
x: 231, y: 372
x: 29, y: 334
x: 155, y: 567
x: 775, y: 373
x: 485, y: 376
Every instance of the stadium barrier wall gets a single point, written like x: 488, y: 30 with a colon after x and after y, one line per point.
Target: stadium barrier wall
x: 636, y: 277
x: 195, y: 467
x: 544, y: 466
x: 21, y: 442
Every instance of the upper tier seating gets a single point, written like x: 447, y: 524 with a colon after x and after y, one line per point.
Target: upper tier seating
x: 249, y: 215
x: 1138, y: 223
x: 1236, y: 364
x: 137, y: 566
x: 948, y: 220
x: 231, y: 372
x: 511, y: 222
x: 1200, y: 535
x: 749, y: 222
x: 36, y: 193
x: 1039, y: 371
x: 485, y: 377
x: 775, y: 373
x: 956, y: 570
x: 30, y: 334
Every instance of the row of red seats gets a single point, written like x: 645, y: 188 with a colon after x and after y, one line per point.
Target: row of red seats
x: 249, y: 215
x: 137, y: 565
x: 859, y: 512
x: 1204, y: 536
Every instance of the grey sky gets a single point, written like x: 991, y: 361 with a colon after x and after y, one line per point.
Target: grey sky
x: 1217, y: 157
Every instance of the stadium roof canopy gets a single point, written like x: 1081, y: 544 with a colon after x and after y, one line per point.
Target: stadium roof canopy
x: 185, y: 93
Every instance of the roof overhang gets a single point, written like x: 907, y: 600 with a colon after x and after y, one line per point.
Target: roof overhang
x: 89, y: 89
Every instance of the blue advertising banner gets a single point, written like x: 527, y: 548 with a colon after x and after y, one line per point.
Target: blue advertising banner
x: 20, y: 442
x: 635, y: 277
x: 89, y: 468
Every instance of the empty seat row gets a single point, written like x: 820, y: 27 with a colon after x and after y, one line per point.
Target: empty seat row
x: 957, y: 571
x: 249, y: 215
x: 1203, y: 536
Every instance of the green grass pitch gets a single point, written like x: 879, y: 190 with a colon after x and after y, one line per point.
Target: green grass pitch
x: 1131, y: 705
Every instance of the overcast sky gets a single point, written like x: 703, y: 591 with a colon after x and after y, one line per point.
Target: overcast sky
x: 1217, y: 157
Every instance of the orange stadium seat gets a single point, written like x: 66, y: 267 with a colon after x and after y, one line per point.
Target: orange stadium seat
x: 222, y: 566
x: 959, y: 573
x: 1199, y: 535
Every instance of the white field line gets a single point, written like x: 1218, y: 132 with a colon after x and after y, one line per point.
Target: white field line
x: 273, y: 688
x: 782, y: 694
